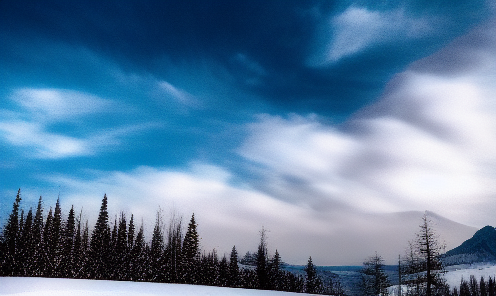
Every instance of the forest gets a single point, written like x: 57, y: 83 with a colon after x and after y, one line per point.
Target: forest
x: 32, y: 245
x: 51, y: 246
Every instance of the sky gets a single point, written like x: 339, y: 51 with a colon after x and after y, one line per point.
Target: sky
x: 324, y: 122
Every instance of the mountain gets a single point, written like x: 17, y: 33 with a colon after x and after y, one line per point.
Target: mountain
x: 480, y: 248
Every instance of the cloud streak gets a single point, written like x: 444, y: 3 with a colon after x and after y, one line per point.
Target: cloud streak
x: 32, y: 127
x: 358, y: 28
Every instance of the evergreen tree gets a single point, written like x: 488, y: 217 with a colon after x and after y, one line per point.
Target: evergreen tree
x: 27, y: 249
x: 483, y: 287
x: 173, y: 251
x: 312, y: 283
x: 121, y: 249
x: 47, y: 238
x: 99, y: 252
x: 275, y: 274
x: 157, y: 252
x: 233, y: 268
x: 10, y: 239
x: 67, y: 264
x: 261, y: 268
x: 54, y: 241
x: 85, y: 253
x: 429, y: 250
x: 224, y: 272
x: 138, y: 258
x: 38, y: 266
x: 374, y: 279
x: 491, y: 289
x: 130, y: 233
x: 190, y: 252
x: 78, y: 250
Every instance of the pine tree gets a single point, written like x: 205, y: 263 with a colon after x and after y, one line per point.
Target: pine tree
x: 157, y: 252
x: 55, y: 249
x: 374, y: 279
x: 491, y: 289
x: 190, y: 252
x: 10, y: 239
x: 138, y: 257
x: 27, y: 249
x: 275, y: 275
x: 312, y: 281
x: 130, y: 233
x: 429, y: 250
x: 233, y: 268
x: 173, y: 251
x: 483, y: 287
x: 38, y: 266
x: 223, y: 272
x: 85, y: 253
x: 121, y: 249
x: 100, y: 245
x: 78, y: 250
x: 261, y: 268
x: 47, y: 238
x: 67, y: 264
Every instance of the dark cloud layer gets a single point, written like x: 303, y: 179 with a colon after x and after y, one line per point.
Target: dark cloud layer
x: 263, y: 45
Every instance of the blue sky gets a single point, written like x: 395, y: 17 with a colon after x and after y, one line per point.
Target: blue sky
x: 301, y: 116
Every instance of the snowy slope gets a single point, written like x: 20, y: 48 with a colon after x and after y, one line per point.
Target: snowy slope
x: 457, y: 272
x: 69, y: 287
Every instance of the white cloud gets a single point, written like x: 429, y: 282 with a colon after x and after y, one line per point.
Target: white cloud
x: 428, y: 143
x: 30, y: 126
x: 358, y: 28
x: 179, y: 95
x: 59, y: 104
x: 44, y: 144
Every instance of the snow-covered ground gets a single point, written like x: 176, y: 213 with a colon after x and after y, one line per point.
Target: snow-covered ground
x: 69, y: 287
x: 457, y: 272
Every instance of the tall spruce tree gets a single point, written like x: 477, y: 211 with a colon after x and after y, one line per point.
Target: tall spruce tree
x: 99, y: 252
x: 54, y: 242
x: 38, y: 265
x: 233, y: 268
x: 67, y: 264
x: 10, y: 239
x: 261, y: 267
x: 138, y: 258
x: 190, y: 252
x: 157, y: 252
x: 78, y: 249
x: 121, y: 249
x: 27, y: 247
x: 312, y: 281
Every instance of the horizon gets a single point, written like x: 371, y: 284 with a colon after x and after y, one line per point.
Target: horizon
x: 328, y: 124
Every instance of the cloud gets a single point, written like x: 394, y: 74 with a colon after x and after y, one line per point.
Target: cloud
x: 32, y: 126
x: 428, y: 143
x: 57, y: 104
x: 358, y: 28
x: 42, y: 144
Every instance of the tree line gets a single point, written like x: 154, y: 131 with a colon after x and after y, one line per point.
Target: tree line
x: 31, y: 245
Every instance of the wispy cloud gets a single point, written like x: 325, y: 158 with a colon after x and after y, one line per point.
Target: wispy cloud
x: 60, y: 105
x: 359, y: 28
x: 30, y: 126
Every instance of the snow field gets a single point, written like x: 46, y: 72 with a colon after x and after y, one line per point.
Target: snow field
x: 71, y: 287
x: 457, y: 272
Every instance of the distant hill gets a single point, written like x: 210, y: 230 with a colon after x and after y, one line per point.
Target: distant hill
x: 480, y: 248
